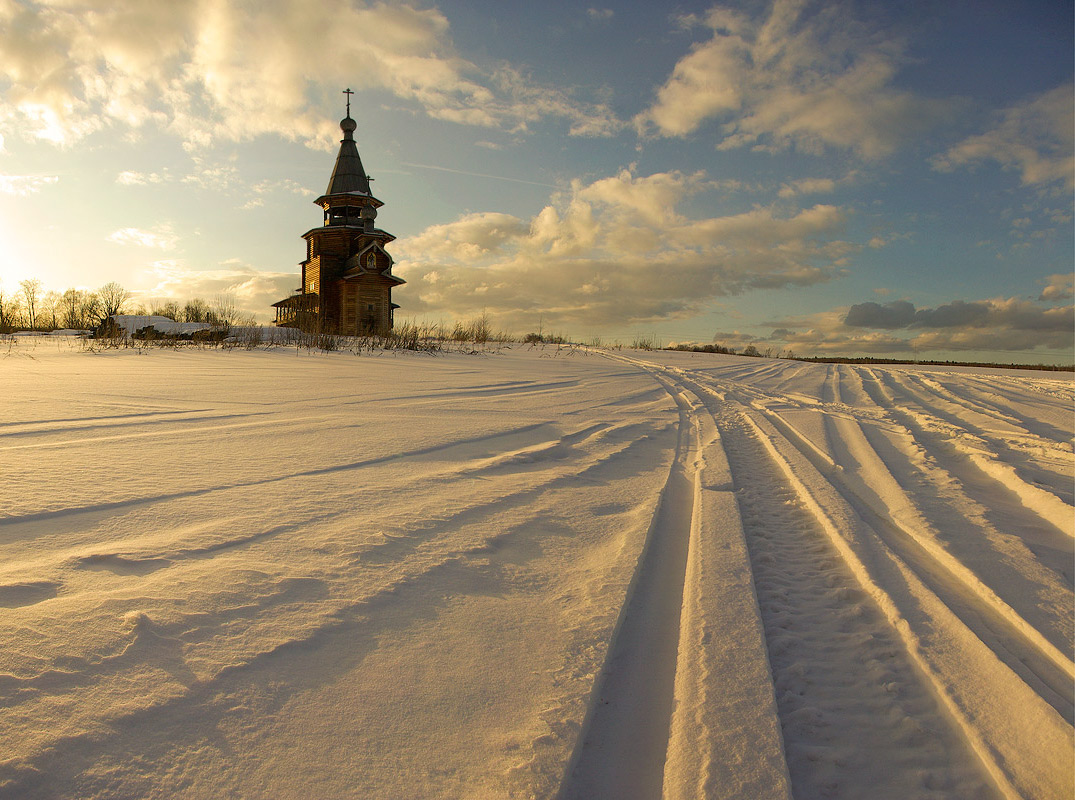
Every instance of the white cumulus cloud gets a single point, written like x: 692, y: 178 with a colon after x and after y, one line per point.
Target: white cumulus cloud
x: 1036, y: 137
x: 807, y: 76
x: 616, y: 250
x: 1059, y: 288
x: 227, y: 70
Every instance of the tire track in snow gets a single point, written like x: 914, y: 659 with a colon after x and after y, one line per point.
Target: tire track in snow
x: 966, y: 674
x: 1005, y: 432
x: 981, y: 401
x: 979, y: 447
x: 857, y: 719
x: 622, y: 747
x: 966, y: 590
x: 894, y: 518
x: 980, y: 486
x: 1019, y: 741
x: 663, y: 720
x: 69, y: 424
x: 871, y: 488
x: 396, y: 541
x: 201, y: 430
x: 989, y: 394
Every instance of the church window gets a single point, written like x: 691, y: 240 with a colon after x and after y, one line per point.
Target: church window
x: 371, y: 261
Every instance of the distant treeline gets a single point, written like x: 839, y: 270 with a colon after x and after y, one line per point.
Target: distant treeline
x: 990, y: 364
x: 702, y: 348
x: 33, y: 309
x: 753, y: 352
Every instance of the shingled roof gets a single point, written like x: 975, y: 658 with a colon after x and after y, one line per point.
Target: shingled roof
x: 348, y: 174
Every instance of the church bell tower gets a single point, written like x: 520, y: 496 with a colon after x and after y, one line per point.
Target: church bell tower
x: 347, y: 275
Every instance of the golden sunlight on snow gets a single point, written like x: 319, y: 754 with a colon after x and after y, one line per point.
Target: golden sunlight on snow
x: 531, y: 572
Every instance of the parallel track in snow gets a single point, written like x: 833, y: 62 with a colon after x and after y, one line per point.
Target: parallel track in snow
x: 622, y: 746
x: 803, y: 581
x: 870, y: 613
x: 901, y: 529
x: 853, y: 706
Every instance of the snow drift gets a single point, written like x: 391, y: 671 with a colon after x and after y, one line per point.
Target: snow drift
x: 539, y: 573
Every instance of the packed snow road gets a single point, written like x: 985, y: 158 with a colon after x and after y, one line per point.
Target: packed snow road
x: 537, y: 573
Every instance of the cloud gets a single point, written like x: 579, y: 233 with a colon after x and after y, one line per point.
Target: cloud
x: 223, y: 70
x: 23, y: 185
x: 1012, y: 313
x: 130, y: 178
x: 807, y: 186
x: 808, y: 77
x: 261, y: 189
x: 470, y: 237
x: 998, y: 325
x: 898, y: 314
x: 996, y: 340
x: 1059, y: 288
x: 253, y: 290
x: 162, y: 237
x: 735, y: 339
x: 614, y: 251
x: 600, y: 14
x: 286, y: 186
x: 212, y: 177
x: 1036, y: 137
x: 519, y: 102
x: 822, y: 340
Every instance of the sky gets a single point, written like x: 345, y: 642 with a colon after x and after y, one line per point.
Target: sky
x: 837, y: 178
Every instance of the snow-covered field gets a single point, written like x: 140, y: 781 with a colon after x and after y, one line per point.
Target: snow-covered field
x: 538, y: 573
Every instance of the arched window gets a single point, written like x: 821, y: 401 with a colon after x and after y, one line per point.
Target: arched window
x: 371, y: 260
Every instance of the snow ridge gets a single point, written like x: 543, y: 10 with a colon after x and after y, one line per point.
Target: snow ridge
x: 280, y: 574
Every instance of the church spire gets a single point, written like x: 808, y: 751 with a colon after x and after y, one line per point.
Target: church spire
x: 347, y: 278
x: 348, y: 175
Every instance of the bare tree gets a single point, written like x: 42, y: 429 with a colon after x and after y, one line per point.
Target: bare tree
x: 112, y: 297
x: 169, y: 309
x: 226, y: 311
x: 70, y: 301
x: 89, y: 310
x: 196, y: 310
x: 30, y: 290
x: 79, y: 309
x: 14, y: 309
x: 50, y: 305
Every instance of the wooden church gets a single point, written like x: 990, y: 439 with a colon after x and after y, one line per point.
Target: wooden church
x: 347, y: 276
